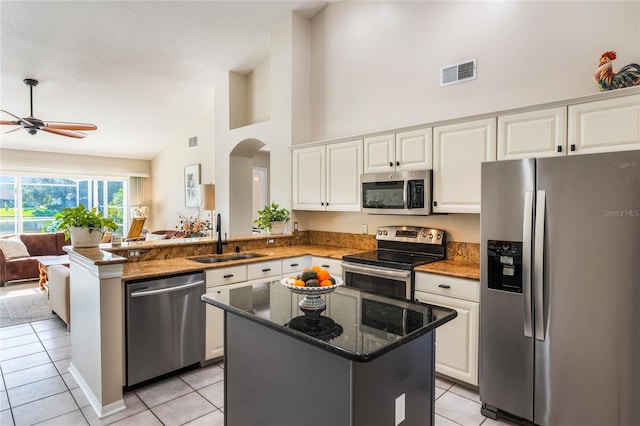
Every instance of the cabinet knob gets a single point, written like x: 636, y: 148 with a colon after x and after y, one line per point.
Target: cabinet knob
x: 326, y: 266
x: 294, y: 264
x: 559, y: 148
x: 322, y: 203
x: 227, y: 276
x: 435, y: 203
x: 444, y: 286
x: 390, y: 164
x: 573, y: 147
x: 397, y: 163
x: 266, y: 269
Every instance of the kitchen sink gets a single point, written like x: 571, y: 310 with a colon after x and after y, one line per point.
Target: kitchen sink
x: 240, y: 256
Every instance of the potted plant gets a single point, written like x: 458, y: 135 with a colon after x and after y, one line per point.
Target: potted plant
x: 272, y: 218
x: 84, y: 227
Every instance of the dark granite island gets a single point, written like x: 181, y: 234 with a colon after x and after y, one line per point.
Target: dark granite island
x: 369, y: 361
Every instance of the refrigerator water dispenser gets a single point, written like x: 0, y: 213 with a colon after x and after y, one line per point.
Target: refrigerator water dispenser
x: 505, y: 265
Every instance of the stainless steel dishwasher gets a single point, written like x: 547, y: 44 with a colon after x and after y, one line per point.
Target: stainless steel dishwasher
x: 165, y: 325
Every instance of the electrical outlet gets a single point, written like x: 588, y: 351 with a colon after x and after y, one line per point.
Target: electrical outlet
x: 365, y: 228
x: 400, y: 415
x: 295, y: 226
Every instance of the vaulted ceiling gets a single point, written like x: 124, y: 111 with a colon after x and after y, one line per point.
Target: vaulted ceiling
x: 140, y: 70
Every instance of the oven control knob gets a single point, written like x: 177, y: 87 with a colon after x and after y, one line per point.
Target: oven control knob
x: 379, y: 232
x: 384, y: 232
x: 438, y: 236
x: 430, y: 235
x: 424, y: 234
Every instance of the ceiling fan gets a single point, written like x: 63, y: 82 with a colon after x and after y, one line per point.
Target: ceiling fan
x: 32, y: 125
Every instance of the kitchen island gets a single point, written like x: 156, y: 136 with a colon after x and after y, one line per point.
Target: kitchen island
x: 368, y: 360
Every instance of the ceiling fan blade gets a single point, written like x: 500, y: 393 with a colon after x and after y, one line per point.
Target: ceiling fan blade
x: 70, y: 133
x: 62, y: 125
x: 20, y: 119
x: 9, y: 123
x: 13, y: 130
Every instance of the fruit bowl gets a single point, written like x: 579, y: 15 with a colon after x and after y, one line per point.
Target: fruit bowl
x: 312, y: 300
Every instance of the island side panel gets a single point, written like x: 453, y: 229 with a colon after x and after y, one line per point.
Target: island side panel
x: 409, y: 370
x: 274, y: 379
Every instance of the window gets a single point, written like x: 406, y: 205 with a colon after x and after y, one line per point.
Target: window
x: 39, y: 199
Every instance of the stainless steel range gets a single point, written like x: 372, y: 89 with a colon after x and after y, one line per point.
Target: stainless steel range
x: 389, y: 270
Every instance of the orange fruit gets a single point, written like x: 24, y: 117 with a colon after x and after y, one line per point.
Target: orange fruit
x: 316, y: 268
x: 300, y: 283
x: 323, y: 275
x: 325, y: 283
x: 306, y: 269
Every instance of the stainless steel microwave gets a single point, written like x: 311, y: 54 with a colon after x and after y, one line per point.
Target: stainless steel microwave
x: 406, y: 193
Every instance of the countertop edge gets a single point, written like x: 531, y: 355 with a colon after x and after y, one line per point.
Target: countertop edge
x: 330, y: 348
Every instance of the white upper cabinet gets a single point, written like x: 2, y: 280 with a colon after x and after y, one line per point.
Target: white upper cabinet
x: 604, y: 126
x: 458, y: 151
x: 541, y: 133
x: 327, y: 177
x: 344, y: 167
x: 379, y: 154
x: 309, y: 178
x: 392, y: 152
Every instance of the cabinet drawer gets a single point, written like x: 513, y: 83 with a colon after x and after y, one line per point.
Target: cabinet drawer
x: 448, y: 286
x: 264, y: 269
x: 223, y: 276
x: 294, y: 264
x: 334, y: 266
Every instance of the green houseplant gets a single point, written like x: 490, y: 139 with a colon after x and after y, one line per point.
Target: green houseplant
x: 84, y: 227
x: 272, y: 218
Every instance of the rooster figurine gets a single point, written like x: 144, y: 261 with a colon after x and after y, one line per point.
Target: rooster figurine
x: 606, y: 79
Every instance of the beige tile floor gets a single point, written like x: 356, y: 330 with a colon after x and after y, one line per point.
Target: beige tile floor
x: 36, y: 388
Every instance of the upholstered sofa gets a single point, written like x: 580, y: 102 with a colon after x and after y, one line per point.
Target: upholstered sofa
x: 16, y: 263
x: 59, y: 292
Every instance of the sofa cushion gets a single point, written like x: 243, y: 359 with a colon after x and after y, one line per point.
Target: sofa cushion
x: 41, y: 244
x: 13, y: 248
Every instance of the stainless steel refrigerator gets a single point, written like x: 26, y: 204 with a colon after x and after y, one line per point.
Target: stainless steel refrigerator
x: 560, y: 289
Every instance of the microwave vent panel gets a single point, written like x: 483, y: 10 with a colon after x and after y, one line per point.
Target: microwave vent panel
x: 457, y: 73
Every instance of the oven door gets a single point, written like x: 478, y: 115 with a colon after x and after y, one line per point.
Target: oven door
x: 384, y: 281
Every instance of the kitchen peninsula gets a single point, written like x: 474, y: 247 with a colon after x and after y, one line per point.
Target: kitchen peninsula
x: 369, y: 361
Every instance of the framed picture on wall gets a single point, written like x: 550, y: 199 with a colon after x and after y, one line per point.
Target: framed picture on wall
x: 192, y: 185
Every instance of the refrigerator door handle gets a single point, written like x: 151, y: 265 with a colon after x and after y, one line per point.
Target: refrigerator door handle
x: 538, y: 273
x: 527, y: 226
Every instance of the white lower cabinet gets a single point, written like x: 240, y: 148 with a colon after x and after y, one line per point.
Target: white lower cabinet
x: 334, y: 266
x: 456, y: 341
x: 293, y: 265
x: 230, y: 278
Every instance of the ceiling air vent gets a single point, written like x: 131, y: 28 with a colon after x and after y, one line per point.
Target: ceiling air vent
x: 457, y: 73
x: 193, y: 141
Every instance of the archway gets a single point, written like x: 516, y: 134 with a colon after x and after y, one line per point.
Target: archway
x: 245, y: 193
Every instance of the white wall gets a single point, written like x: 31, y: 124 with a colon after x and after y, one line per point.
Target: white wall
x: 275, y: 132
x: 375, y: 65
x: 167, y: 188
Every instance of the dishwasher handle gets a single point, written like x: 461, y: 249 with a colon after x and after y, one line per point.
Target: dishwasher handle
x: 166, y: 290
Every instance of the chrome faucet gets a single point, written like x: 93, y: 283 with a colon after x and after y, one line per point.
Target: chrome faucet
x: 219, y: 243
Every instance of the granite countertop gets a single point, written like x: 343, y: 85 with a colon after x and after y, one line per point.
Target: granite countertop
x: 154, y: 268
x: 361, y: 327
x: 452, y: 268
